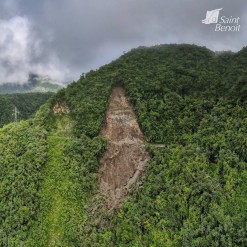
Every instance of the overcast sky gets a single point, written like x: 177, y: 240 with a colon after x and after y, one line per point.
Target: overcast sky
x: 64, y: 38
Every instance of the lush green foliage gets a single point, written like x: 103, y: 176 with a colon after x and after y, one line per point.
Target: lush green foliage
x: 22, y: 158
x: 26, y: 104
x: 69, y: 179
x: 194, y: 192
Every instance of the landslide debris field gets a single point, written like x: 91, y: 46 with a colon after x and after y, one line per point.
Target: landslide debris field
x: 126, y: 157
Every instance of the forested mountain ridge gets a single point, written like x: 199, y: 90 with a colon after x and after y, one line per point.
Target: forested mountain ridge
x: 24, y: 104
x: 187, y: 98
x: 35, y: 84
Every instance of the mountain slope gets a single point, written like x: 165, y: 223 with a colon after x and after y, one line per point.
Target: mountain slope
x: 126, y: 158
x: 193, y: 193
x: 24, y: 104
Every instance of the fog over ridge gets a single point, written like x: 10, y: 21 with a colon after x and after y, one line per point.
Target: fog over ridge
x: 63, y: 38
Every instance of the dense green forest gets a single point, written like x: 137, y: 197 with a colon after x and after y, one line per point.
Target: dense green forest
x: 26, y: 104
x: 194, y: 191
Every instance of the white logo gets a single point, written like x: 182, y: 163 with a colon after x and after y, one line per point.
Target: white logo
x: 212, y: 16
x: 224, y: 23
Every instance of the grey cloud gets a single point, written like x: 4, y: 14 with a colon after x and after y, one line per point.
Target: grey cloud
x: 77, y: 36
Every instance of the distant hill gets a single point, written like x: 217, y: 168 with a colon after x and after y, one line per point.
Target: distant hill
x: 35, y: 83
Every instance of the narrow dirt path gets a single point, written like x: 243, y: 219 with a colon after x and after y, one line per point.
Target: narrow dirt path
x: 126, y: 157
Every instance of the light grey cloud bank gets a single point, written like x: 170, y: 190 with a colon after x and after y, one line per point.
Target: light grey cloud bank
x: 18, y: 50
x: 63, y: 38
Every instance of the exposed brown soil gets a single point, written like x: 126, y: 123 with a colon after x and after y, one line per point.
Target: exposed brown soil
x: 126, y: 157
x: 59, y: 108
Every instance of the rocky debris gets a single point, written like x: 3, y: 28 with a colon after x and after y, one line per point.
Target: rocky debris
x: 126, y: 158
x: 61, y: 107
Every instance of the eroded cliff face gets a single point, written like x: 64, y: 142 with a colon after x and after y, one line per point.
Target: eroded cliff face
x: 126, y: 158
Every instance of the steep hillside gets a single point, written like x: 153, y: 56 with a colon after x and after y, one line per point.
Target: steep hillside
x: 23, y: 104
x: 126, y: 157
x: 191, y: 108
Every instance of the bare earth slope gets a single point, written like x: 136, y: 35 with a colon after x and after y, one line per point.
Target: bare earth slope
x: 126, y: 157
